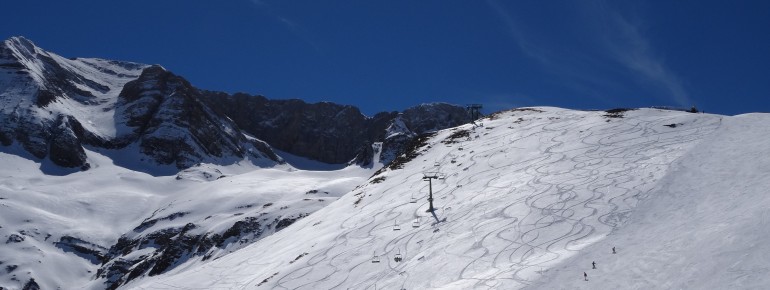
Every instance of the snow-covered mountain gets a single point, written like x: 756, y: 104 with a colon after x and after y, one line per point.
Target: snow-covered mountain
x: 122, y: 170
x: 528, y: 199
x: 117, y: 175
x: 56, y: 107
x: 103, y: 227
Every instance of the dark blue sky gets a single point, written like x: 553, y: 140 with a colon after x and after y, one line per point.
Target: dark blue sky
x: 389, y: 55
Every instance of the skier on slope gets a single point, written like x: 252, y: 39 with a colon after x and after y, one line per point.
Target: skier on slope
x: 613, y: 250
x: 593, y: 264
x: 585, y: 276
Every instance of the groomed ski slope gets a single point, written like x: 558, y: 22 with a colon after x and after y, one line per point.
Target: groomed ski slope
x: 707, y: 227
x: 528, y: 200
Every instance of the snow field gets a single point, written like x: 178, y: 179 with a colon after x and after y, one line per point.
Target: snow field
x: 527, y: 192
x: 104, y: 203
x: 706, y: 228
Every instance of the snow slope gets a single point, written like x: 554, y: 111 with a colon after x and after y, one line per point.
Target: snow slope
x: 43, y: 217
x: 526, y: 200
x: 707, y: 227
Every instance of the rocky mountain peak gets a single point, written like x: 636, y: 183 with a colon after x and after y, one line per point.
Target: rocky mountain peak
x: 113, y: 104
x: 166, y: 115
x: 53, y: 106
x: 24, y: 47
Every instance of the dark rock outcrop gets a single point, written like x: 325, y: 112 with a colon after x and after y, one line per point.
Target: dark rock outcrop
x: 14, y: 238
x: 86, y: 250
x: 31, y: 285
x: 329, y: 132
x: 47, y: 100
x: 174, y: 123
x: 36, y: 89
x: 173, y: 246
x: 65, y: 147
x: 326, y: 132
x: 165, y: 115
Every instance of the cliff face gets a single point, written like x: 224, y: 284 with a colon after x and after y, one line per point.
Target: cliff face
x: 53, y: 107
x: 329, y: 132
x: 164, y: 114
x: 326, y: 132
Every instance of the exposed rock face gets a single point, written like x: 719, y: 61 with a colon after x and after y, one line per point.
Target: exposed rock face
x: 53, y: 106
x: 164, y: 113
x: 432, y: 117
x: 30, y: 81
x: 39, y: 91
x: 324, y: 131
x: 173, y: 246
x: 330, y: 132
x: 86, y: 250
x: 416, y: 121
x: 31, y: 285
x: 65, y: 147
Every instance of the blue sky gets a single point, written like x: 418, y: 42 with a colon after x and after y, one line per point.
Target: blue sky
x: 389, y: 55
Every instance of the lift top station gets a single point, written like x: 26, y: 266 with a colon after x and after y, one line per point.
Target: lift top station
x: 474, y: 111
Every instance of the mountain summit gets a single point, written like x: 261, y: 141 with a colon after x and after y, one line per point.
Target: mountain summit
x: 56, y: 107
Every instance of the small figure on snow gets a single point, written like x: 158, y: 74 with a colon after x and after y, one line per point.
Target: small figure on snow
x: 585, y: 276
x: 613, y: 250
x: 594, y: 264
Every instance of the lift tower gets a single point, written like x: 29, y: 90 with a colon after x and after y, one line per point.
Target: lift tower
x: 474, y: 111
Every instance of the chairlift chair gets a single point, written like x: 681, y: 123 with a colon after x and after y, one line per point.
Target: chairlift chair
x: 398, y: 258
x: 416, y: 223
x: 376, y: 259
x: 396, y: 227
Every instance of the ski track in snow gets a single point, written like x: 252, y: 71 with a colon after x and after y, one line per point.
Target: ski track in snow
x: 499, y: 234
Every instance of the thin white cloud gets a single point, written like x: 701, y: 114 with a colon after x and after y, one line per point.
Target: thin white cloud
x: 571, y: 67
x: 293, y: 27
x: 530, y: 49
x: 617, y: 40
x: 633, y: 51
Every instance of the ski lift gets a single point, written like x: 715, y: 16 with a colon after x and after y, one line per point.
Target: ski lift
x: 396, y: 227
x: 414, y: 199
x: 436, y: 164
x: 442, y: 176
x: 376, y: 259
x: 454, y: 160
x: 416, y: 223
x: 398, y: 257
